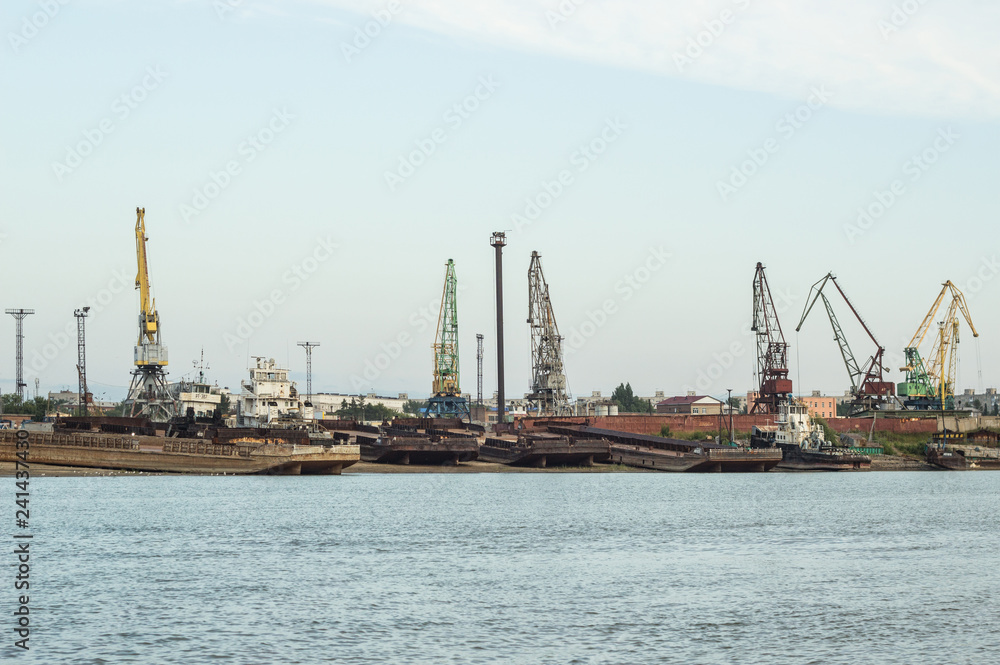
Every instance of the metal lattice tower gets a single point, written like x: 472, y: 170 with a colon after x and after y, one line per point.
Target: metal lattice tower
x: 309, y: 346
x: 446, y: 398
x: 81, y: 357
x: 446, y: 368
x: 479, y: 369
x: 772, y: 351
x: 19, y: 315
x: 548, y: 379
x: 498, y: 241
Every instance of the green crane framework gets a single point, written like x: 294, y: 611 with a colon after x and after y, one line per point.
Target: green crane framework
x: 932, y: 384
x: 447, y: 400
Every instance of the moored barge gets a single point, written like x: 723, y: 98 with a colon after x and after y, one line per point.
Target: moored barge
x: 136, y: 444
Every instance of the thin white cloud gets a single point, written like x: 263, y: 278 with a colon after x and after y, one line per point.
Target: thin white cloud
x: 941, y: 59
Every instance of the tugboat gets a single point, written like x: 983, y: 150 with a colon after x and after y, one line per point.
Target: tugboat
x: 803, y: 446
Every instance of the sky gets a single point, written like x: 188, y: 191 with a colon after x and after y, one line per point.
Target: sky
x: 308, y: 168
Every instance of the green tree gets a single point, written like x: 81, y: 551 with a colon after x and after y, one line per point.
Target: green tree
x: 831, y: 436
x: 224, y: 405
x: 118, y: 411
x: 628, y: 402
x: 36, y: 407
x: 356, y: 409
x: 414, y: 406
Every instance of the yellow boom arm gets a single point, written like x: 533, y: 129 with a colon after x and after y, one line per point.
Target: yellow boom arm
x: 148, y: 318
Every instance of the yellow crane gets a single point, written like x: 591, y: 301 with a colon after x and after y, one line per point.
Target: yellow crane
x: 932, y: 383
x: 149, y: 320
x: 148, y: 393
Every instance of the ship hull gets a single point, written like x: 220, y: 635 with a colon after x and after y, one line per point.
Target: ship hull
x: 794, y: 458
x: 164, y: 455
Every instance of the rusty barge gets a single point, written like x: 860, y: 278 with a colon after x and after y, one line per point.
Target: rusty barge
x: 136, y: 444
x: 428, y: 441
x: 658, y: 453
x: 545, y: 449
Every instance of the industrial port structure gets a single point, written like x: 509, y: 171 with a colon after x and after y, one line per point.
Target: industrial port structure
x: 928, y: 386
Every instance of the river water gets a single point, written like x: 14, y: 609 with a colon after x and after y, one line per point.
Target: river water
x: 514, y: 568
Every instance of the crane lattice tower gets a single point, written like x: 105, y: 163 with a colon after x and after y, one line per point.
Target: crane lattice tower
x: 548, y: 378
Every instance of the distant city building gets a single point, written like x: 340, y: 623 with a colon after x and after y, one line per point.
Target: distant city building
x: 822, y: 406
x: 987, y: 400
x: 690, y: 404
x: 324, y: 405
x: 71, y: 399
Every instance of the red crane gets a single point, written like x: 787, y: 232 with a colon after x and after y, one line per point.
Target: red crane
x: 772, y: 350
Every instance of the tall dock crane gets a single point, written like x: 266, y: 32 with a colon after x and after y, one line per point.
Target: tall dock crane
x: 772, y: 350
x: 447, y: 400
x: 147, y: 394
x: 868, y: 386
x: 548, y: 378
x: 932, y: 384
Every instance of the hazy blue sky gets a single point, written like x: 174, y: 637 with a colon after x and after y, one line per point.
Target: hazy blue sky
x: 292, y: 164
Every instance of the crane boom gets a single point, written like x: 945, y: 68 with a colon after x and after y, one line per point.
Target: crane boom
x: 447, y: 399
x: 867, y: 384
x: 148, y: 319
x: 932, y: 383
x: 772, y: 351
x: 148, y: 392
x: 548, y: 379
x: 446, y: 370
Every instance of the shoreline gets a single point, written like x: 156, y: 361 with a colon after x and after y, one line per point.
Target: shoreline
x: 883, y: 463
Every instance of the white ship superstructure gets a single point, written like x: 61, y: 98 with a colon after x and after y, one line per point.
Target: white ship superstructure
x: 268, y: 396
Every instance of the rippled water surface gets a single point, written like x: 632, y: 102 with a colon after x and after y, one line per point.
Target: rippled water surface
x: 515, y: 568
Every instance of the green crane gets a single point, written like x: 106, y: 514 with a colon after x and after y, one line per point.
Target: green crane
x: 932, y: 384
x: 447, y: 400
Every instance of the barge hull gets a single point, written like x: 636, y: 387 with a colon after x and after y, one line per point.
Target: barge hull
x: 156, y: 454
